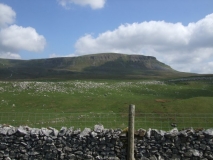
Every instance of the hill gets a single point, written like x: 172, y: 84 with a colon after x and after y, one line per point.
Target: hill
x: 105, y: 65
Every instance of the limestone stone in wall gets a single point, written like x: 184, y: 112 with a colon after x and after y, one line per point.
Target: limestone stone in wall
x: 175, y: 145
x: 48, y: 143
x: 23, y: 143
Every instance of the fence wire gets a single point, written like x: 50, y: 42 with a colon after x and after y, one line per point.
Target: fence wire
x: 162, y: 121
x: 167, y: 121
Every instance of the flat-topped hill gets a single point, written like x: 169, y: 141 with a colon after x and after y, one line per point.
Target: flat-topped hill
x: 104, y: 65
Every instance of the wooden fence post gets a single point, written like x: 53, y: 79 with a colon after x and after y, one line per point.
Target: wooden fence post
x: 131, y: 132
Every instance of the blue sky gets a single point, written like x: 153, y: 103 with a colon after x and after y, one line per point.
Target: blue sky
x: 178, y: 33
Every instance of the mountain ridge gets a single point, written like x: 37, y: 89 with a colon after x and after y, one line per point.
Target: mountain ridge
x: 101, y: 65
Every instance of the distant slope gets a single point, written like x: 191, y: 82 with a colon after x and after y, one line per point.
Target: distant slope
x: 105, y: 65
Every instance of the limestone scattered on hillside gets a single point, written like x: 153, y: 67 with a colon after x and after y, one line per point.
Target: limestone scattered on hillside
x: 70, y: 87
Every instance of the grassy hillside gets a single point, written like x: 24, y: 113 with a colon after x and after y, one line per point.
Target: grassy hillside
x: 86, y: 90
x: 84, y: 103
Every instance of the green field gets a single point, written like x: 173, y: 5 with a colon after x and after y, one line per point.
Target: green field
x: 81, y: 103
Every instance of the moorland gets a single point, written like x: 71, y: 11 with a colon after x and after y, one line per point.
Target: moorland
x: 98, y: 89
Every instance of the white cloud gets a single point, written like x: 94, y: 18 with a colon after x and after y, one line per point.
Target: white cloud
x: 185, y: 48
x: 9, y: 55
x: 14, y: 39
x: 7, y: 15
x: 54, y: 55
x: 94, y: 4
x: 19, y: 38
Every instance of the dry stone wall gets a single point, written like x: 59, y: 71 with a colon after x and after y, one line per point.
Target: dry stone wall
x: 95, y: 144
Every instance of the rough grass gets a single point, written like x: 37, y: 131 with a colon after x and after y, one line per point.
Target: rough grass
x: 85, y: 103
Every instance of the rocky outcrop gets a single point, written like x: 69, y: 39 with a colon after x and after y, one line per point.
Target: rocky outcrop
x: 72, y: 144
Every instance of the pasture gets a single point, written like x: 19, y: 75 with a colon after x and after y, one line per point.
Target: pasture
x: 83, y: 103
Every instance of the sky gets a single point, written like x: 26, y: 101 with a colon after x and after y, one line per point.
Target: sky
x: 178, y: 33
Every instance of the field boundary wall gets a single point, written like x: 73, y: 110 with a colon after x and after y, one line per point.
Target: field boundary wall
x: 25, y: 143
